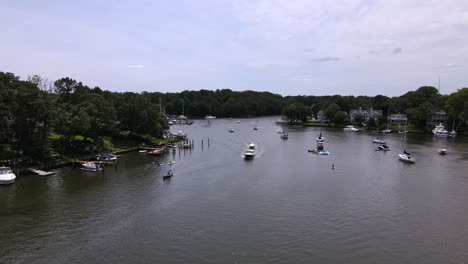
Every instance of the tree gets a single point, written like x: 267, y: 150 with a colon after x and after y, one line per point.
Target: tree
x: 65, y: 87
x: 359, y: 119
x: 297, y: 111
x: 340, y: 118
x: 371, y: 123
x: 331, y: 110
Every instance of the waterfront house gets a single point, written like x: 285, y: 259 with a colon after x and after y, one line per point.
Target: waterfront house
x: 399, y: 119
x: 321, y: 116
x: 435, y: 118
x: 366, y: 113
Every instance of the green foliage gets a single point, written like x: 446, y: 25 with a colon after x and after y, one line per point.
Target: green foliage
x: 340, y: 118
x: 331, y: 110
x: 371, y: 123
x: 297, y: 112
x: 359, y: 119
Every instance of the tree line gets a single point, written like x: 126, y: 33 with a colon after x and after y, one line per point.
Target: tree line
x: 39, y: 117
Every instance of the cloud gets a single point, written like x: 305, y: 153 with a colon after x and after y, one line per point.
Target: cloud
x: 325, y: 59
x: 450, y: 65
x: 397, y: 51
x: 135, y: 66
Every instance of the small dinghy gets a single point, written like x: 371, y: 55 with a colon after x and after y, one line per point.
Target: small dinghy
x: 168, y: 175
x: 324, y: 153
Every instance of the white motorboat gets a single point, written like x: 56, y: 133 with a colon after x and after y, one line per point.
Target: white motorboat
x: 91, y: 166
x: 249, y: 154
x: 238, y: 121
x: 280, y: 131
x: 210, y: 117
x: 6, y: 176
x: 453, y: 133
x: 231, y: 130
x: 387, y: 131
x: 252, y: 146
x: 378, y: 141
x: 442, y: 151
x: 351, y: 129
x: 383, y: 147
x: 439, y: 131
x: 106, y: 157
x: 406, y: 158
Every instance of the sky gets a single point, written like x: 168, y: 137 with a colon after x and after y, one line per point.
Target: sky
x: 290, y: 47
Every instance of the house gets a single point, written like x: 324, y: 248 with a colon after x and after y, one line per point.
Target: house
x: 321, y: 116
x: 399, y: 119
x: 435, y: 118
x: 366, y: 113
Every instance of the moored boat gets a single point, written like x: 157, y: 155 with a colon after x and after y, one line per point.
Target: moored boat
x: 284, y: 135
x: 442, y: 151
x: 6, y: 176
x: 106, y: 157
x: 351, y: 129
x: 168, y: 175
x: 439, y: 131
x: 231, y: 130
x: 406, y: 157
x: 378, y: 141
x: 249, y: 154
x: 91, y: 166
x: 252, y: 145
x: 383, y: 147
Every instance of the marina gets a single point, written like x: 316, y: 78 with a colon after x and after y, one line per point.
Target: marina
x: 286, y: 203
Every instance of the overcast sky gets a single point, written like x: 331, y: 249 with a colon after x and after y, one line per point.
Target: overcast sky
x: 290, y: 47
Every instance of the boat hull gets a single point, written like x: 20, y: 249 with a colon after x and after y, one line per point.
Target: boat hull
x: 7, y: 182
x: 406, y: 158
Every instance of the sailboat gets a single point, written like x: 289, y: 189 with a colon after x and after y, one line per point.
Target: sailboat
x: 406, y: 156
x: 208, y: 117
x: 388, y: 117
x: 320, y: 138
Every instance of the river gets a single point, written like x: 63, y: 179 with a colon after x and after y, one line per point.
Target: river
x: 285, y: 206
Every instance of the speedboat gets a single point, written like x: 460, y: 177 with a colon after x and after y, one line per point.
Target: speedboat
x: 231, y: 130
x: 439, y: 131
x: 350, y: 129
x: 156, y: 152
x: 378, y: 141
x: 6, y: 176
x: 168, y: 175
x: 249, y: 154
x: 91, y: 166
x: 383, y: 147
x: 453, y: 133
x: 106, y: 157
x: 406, y: 157
x: 284, y: 135
x: 442, y: 151
x: 252, y: 146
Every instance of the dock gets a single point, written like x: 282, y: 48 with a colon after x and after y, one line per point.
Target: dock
x: 41, y: 172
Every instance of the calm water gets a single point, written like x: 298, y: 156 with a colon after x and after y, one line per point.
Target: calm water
x: 285, y: 206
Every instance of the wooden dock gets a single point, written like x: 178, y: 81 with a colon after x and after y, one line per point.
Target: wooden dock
x: 41, y: 172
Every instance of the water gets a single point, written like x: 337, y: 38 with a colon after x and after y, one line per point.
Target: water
x: 285, y: 206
